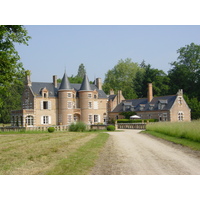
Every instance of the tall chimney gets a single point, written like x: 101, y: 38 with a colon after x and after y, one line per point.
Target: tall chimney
x: 119, y: 96
x: 150, y: 92
x: 111, y: 92
x: 99, y: 83
x: 28, y: 78
x: 55, y: 81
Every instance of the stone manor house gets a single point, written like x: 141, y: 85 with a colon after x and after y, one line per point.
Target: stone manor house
x: 48, y: 104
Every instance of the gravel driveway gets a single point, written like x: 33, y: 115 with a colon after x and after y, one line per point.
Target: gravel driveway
x: 131, y: 152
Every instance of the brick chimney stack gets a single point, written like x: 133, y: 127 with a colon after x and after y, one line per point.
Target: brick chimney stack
x: 150, y: 92
x: 55, y: 81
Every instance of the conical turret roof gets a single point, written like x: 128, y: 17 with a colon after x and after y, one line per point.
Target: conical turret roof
x: 85, y: 86
x: 65, y: 84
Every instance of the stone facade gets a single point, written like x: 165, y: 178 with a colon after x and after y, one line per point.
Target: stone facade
x: 171, y: 108
x: 46, y: 104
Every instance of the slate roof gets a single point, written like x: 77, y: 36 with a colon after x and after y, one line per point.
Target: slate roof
x: 65, y: 84
x: 111, y: 97
x: 53, y: 92
x: 141, y: 105
x: 85, y: 86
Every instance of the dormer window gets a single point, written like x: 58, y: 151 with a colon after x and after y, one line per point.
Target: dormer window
x: 44, y: 92
x: 142, y: 106
x: 151, y: 106
x: 162, y: 103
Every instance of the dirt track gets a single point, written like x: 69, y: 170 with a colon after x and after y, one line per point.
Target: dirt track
x: 130, y: 152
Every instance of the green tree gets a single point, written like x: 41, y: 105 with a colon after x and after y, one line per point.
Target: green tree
x: 12, y: 101
x: 147, y: 75
x: 120, y: 78
x: 185, y: 73
x: 194, y: 105
x: 81, y: 71
x: 11, y: 70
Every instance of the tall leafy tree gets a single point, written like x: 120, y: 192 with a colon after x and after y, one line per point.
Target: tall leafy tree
x: 120, y: 78
x: 11, y: 70
x: 81, y: 71
x: 147, y: 75
x: 185, y: 73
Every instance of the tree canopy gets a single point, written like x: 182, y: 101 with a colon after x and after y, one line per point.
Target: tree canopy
x: 120, y: 78
x: 185, y: 73
x: 11, y: 70
x: 147, y: 75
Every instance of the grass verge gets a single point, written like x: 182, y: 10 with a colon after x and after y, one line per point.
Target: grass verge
x: 185, y: 142
x: 81, y: 161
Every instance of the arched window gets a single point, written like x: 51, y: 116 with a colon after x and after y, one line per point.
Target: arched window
x: 29, y: 120
x: 180, y: 116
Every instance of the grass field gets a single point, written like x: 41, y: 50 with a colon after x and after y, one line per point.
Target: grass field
x: 186, y: 133
x: 49, y: 153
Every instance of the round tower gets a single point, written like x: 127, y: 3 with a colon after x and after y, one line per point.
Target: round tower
x: 86, y: 97
x: 66, y: 96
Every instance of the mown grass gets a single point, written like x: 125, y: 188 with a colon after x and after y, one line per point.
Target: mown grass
x: 43, y: 153
x: 185, y: 133
x: 81, y: 161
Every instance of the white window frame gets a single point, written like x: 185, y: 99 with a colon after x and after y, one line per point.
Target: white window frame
x: 45, y: 119
x: 90, y: 118
x: 90, y: 104
x: 29, y: 120
x: 69, y: 95
x: 96, y: 118
x: 180, y: 116
x: 69, y: 105
x: 69, y: 118
x: 48, y: 105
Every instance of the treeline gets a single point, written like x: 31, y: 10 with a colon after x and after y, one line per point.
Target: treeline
x: 132, y: 78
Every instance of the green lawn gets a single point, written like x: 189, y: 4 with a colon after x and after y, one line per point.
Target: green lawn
x: 50, y: 153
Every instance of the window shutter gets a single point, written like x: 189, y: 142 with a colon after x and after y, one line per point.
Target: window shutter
x: 49, y: 105
x: 99, y: 118
x: 49, y: 119
x: 41, y: 105
x: 41, y: 119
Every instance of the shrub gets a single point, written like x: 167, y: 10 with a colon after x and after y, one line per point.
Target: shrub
x: 77, y: 127
x: 51, y: 129
x: 110, y: 128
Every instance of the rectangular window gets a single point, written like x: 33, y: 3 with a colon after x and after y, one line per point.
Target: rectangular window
x: 69, y: 105
x: 89, y: 95
x: 45, y: 119
x: 69, y: 94
x: 45, y: 104
x: 96, y: 118
x: 90, y: 104
x: 69, y: 118
x: 90, y: 119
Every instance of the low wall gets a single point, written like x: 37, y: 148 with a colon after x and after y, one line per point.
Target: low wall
x: 131, y: 126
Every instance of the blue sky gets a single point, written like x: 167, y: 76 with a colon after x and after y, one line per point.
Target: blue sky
x: 56, y: 47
